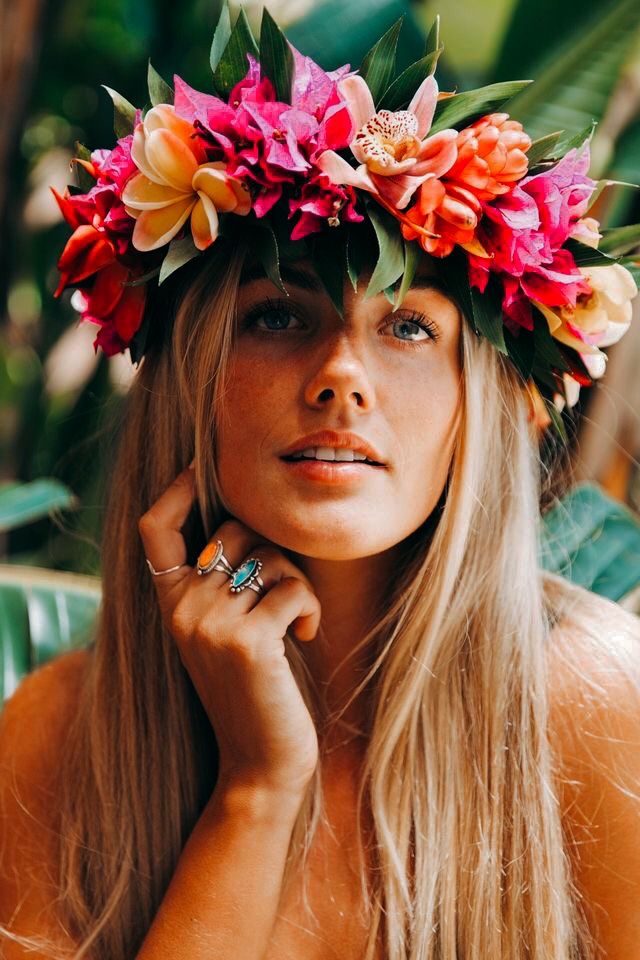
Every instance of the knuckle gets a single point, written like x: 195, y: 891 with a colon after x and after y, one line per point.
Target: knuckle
x: 147, y: 523
x: 230, y: 528
x: 292, y: 585
x: 268, y: 553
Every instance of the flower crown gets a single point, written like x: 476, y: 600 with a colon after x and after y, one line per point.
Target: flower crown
x: 285, y: 153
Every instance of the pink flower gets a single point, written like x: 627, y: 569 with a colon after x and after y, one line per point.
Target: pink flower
x: 523, y: 233
x: 322, y: 202
x: 266, y: 142
x: 394, y: 156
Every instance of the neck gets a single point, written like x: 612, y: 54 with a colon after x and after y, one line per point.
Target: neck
x: 351, y: 595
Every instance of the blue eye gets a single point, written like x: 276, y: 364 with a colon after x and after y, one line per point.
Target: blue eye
x: 412, y: 326
x: 276, y: 316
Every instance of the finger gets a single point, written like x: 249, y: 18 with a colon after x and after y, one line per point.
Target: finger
x: 160, y: 526
x: 289, y: 602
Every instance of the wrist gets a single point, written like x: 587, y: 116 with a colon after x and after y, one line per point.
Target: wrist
x: 254, y: 800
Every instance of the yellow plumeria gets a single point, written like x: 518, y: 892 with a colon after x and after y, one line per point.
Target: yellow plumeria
x: 175, y: 182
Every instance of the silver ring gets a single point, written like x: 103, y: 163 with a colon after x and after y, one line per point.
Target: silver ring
x: 213, y: 559
x: 161, y: 573
x: 248, y: 575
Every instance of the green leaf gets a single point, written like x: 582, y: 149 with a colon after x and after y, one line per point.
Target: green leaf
x: 149, y: 275
x: 543, y: 148
x: 633, y: 266
x: 401, y: 91
x: 353, y: 271
x: 568, y: 142
x: 276, y: 57
x: 454, y: 270
x: 124, y: 114
x: 179, y: 253
x: 521, y: 350
x: 547, y: 349
x: 390, y: 294
x: 620, y: 240
x: 556, y: 420
x: 390, y: 263
x: 22, y: 503
x: 576, y: 77
x: 233, y: 65
x: 592, y: 540
x: 328, y: 253
x: 586, y: 256
x: 411, y: 259
x: 82, y: 152
x: 265, y: 247
x: 43, y: 613
x: 378, y: 66
x: 159, y: 89
x: 464, y: 107
x: 604, y: 184
x: 487, y: 314
x: 433, y: 44
x: 84, y: 180
x: 221, y: 37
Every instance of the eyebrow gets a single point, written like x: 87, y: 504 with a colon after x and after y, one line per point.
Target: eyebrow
x: 305, y: 280
x: 290, y: 274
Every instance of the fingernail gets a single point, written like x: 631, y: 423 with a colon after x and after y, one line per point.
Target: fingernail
x: 192, y: 464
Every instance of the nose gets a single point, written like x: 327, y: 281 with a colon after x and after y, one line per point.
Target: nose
x: 340, y: 378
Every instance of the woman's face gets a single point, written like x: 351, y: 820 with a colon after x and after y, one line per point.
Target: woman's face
x: 394, y: 379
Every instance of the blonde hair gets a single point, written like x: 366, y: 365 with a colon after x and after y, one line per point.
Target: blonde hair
x: 468, y: 854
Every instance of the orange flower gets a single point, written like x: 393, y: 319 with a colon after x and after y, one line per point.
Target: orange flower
x: 447, y: 211
x: 176, y: 182
x: 491, y: 156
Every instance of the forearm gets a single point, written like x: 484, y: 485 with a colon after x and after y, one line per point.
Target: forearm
x: 223, y: 896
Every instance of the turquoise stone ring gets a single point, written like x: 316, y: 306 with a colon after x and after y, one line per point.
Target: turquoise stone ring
x: 247, y: 575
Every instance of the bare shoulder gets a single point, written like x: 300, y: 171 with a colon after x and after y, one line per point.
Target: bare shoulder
x: 34, y: 723
x: 594, y: 698
x: 35, y: 719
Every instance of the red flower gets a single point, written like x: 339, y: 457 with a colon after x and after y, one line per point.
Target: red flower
x: 87, y: 251
x: 115, y: 308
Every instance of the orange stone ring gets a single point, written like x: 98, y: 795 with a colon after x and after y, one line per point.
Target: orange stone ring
x: 213, y: 558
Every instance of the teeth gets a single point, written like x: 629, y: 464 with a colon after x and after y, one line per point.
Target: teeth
x: 325, y: 453
x: 329, y: 453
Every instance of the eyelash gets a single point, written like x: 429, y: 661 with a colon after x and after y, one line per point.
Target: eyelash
x: 419, y: 319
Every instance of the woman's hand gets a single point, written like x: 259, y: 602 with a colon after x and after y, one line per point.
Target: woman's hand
x: 232, y: 645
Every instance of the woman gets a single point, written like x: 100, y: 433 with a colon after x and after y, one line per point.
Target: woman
x: 395, y: 736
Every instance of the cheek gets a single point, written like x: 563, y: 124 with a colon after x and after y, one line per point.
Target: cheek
x: 424, y: 422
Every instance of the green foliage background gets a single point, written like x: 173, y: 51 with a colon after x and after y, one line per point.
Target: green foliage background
x: 585, y: 48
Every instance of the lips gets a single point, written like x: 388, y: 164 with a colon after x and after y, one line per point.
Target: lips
x: 335, y: 440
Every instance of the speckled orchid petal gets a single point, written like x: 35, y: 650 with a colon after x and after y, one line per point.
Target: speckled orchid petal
x: 423, y: 105
x: 359, y: 100
x: 215, y: 185
x: 170, y: 159
x: 140, y: 193
x: 155, y: 228
x: 388, y: 143
x: 204, y: 222
x: 340, y: 172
